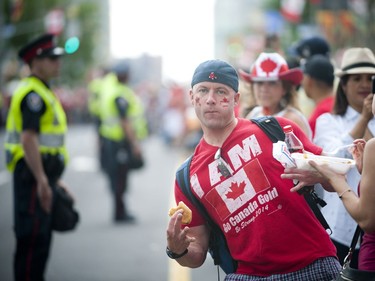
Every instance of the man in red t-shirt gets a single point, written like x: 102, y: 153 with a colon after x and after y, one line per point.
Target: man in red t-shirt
x: 270, y: 230
x: 318, y: 85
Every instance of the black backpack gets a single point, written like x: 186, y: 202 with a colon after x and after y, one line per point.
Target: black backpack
x: 218, y: 247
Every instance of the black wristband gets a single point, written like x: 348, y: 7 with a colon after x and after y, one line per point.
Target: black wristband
x: 174, y: 255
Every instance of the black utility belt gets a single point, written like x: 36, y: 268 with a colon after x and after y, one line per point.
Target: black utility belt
x: 53, y: 166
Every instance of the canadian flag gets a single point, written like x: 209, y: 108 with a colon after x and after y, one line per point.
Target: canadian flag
x: 238, y: 190
x: 292, y: 9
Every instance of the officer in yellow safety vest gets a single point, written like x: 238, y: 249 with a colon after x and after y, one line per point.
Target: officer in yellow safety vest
x: 122, y: 126
x: 36, y: 126
x: 94, y: 88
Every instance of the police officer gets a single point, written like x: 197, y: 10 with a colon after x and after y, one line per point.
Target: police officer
x: 121, y: 128
x: 93, y: 103
x: 36, y: 154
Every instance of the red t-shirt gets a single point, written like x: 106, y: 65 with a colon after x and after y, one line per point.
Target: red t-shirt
x: 367, y: 252
x: 268, y: 228
x: 323, y: 106
x: 366, y: 258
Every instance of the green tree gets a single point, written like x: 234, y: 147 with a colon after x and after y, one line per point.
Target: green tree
x: 22, y: 20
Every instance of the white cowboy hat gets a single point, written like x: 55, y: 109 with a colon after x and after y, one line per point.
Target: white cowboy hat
x: 357, y: 61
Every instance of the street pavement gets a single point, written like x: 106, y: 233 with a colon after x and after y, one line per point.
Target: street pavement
x: 99, y: 249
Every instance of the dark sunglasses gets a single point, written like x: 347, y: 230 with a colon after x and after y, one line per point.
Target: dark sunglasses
x: 222, y: 164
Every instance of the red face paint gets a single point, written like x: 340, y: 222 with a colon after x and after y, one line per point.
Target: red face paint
x: 198, y: 100
x: 224, y: 102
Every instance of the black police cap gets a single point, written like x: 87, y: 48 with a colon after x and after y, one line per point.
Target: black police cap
x: 43, y: 46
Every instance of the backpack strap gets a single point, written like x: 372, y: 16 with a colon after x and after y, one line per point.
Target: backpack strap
x: 182, y: 176
x: 272, y: 128
x: 357, y: 234
x: 183, y: 180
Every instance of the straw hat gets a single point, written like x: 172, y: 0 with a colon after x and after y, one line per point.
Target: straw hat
x: 272, y: 67
x: 357, y: 61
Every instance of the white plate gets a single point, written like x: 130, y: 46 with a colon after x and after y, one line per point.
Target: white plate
x: 339, y: 165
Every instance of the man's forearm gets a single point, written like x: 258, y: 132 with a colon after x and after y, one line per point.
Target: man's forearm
x: 33, y: 157
x: 129, y: 132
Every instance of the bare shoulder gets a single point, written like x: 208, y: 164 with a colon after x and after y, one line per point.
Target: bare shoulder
x: 293, y: 114
x: 371, y: 143
x: 368, y: 157
x: 297, y: 117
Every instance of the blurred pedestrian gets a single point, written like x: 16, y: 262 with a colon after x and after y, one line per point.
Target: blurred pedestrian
x: 311, y: 46
x: 173, y: 119
x: 232, y: 172
x: 272, y: 44
x: 362, y: 209
x: 122, y: 126
x: 36, y: 155
x: 318, y: 85
x: 351, y: 119
x: 298, y: 54
x: 93, y: 103
x: 274, y: 87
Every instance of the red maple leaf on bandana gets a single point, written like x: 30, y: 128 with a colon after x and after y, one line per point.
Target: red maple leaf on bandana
x: 268, y: 65
x: 236, y: 190
x: 212, y: 76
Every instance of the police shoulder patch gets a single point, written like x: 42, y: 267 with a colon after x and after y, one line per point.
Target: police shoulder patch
x: 121, y: 102
x: 34, y: 102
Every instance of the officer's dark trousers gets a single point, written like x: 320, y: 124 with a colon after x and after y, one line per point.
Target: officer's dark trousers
x: 32, y: 228
x: 31, y: 257
x: 117, y: 172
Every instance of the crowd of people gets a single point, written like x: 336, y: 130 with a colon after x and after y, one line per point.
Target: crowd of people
x: 254, y: 200
x: 260, y: 233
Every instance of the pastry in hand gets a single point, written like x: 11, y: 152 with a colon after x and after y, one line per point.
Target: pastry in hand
x: 186, y: 214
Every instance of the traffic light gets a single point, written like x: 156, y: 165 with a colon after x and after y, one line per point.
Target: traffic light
x: 72, y: 45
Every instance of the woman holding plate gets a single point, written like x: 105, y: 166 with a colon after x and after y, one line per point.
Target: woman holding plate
x: 351, y: 119
x: 362, y: 208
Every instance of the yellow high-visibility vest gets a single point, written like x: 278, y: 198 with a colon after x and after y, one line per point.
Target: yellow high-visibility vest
x: 53, y: 123
x: 110, y: 126
x: 93, y: 103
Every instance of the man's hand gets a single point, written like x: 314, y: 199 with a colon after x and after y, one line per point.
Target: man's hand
x: 30, y: 143
x: 305, y: 178
x: 62, y: 184
x: 327, y: 173
x: 367, y: 107
x: 45, y: 195
x: 178, y: 239
x: 195, y: 238
x: 357, y: 153
x: 137, y: 149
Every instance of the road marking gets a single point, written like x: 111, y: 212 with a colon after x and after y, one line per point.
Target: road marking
x: 84, y: 164
x: 178, y: 272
